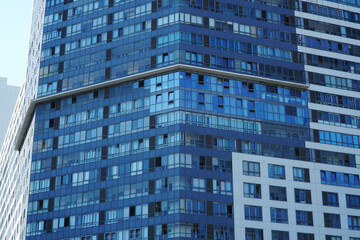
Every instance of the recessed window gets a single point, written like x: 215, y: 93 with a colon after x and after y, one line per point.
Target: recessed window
x: 353, y: 221
x: 332, y: 220
x: 279, y: 215
x: 301, y: 174
x: 277, y: 193
x: 304, y: 218
x: 251, y: 168
x: 302, y: 196
x: 252, y: 190
x: 253, y: 213
x: 279, y: 235
x: 253, y: 234
x: 305, y: 236
x: 276, y: 171
x: 330, y: 199
x: 352, y: 201
x: 329, y: 237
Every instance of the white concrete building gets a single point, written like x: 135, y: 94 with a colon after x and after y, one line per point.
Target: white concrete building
x: 276, y: 198
x: 14, y: 163
x: 8, y: 97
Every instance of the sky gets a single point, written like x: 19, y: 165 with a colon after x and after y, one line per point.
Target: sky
x: 15, y: 23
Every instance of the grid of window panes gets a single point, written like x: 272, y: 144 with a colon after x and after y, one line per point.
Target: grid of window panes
x: 280, y: 215
x: 99, y: 157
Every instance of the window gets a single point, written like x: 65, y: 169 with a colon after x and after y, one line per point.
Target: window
x: 135, y: 233
x: 338, y: 139
x: 353, y: 221
x: 252, y: 190
x: 201, y: 98
x: 251, y: 168
x: 330, y: 199
x: 340, y: 179
x: 276, y: 171
x: 332, y: 220
x: 220, y: 101
x: 301, y: 174
x: 290, y: 111
x: 253, y: 234
x: 295, y: 93
x: 279, y: 215
x: 277, y: 193
x: 158, y: 98
x: 279, y: 235
x: 302, y: 196
x: 109, y: 236
x: 271, y: 89
x: 328, y: 237
x: 87, y: 238
x: 253, y: 213
x: 171, y: 96
x: 136, y: 168
x: 305, y: 236
x: 304, y: 218
x: 352, y: 201
x: 199, y: 185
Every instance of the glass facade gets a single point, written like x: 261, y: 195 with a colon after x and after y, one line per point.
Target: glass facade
x: 140, y: 105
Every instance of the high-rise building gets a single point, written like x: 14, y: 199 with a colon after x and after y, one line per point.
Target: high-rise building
x: 15, y: 163
x: 8, y: 96
x: 180, y: 120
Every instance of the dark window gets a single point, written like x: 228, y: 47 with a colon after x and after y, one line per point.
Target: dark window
x: 332, y: 220
x: 279, y: 235
x: 295, y: 93
x: 290, y: 111
x: 277, y: 193
x: 220, y: 101
x: 304, y: 218
x: 271, y: 89
x: 352, y: 201
x: 329, y: 237
x: 51, y: 123
x: 302, y: 196
x: 132, y: 211
x: 279, y: 215
x: 330, y: 199
x: 253, y: 234
x: 305, y: 236
x: 67, y: 222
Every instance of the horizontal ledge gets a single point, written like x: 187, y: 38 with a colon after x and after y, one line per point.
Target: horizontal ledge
x: 30, y: 111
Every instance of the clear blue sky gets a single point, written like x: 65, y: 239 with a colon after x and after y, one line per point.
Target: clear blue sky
x: 15, y: 23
